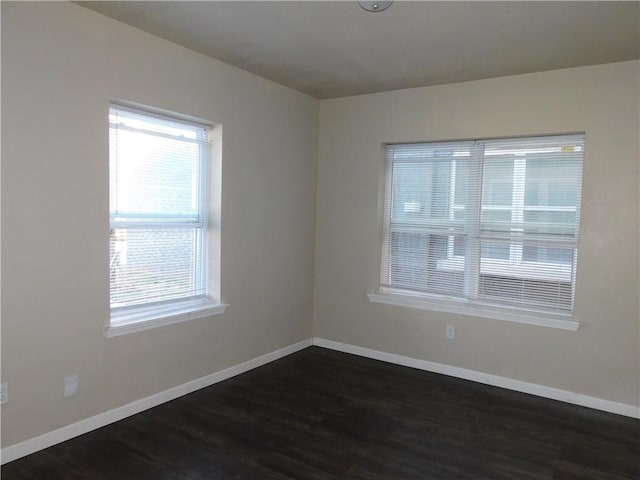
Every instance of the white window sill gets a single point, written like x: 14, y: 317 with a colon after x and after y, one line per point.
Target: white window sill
x: 560, y: 321
x: 137, y: 320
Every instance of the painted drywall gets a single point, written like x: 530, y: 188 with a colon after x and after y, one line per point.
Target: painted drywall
x: 61, y: 63
x: 602, y: 358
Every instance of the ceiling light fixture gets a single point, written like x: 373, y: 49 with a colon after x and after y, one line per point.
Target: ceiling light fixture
x: 374, y: 6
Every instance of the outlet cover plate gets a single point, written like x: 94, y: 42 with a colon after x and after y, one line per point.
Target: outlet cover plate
x: 71, y: 384
x: 4, y: 393
x: 451, y: 332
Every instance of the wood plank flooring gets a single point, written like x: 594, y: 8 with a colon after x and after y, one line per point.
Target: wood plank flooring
x: 324, y: 415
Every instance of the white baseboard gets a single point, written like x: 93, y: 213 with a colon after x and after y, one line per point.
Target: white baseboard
x: 41, y: 442
x: 488, y: 379
x: 13, y: 452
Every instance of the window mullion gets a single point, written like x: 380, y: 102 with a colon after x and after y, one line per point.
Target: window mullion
x: 517, y: 207
x: 472, y: 221
x: 203, y: 210
x: 452, y: 201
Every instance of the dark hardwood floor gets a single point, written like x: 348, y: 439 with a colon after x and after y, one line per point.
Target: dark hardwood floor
x: 320, y: 414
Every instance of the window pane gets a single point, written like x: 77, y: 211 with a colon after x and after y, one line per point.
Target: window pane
x: 498, y: 192
x: 152, y: 265
x: 423, y: 262
x: 153, y: 175
x: 497, y: 185
x: 525, y: 293
x: 461, y: 181
x: 421, y: 191
x: 552, y: 181
x: 560, y: 217
x: 550, y: 221
x: 496, y: 215
x: 548, y: 255
x: 409, y: 260
x: 459, y: 245
x: 429, y: 184
x: 513, y: 273
x: 411, y: 191
x: 495, y: 250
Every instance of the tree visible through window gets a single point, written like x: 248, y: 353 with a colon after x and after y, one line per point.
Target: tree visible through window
x: 492, y: 221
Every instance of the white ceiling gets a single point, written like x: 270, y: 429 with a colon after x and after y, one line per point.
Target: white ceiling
x: 335, y: 49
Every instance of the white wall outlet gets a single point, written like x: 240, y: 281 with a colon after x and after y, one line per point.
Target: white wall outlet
x: 4, y: 393
x: 71, y: 384
x: 451, y: 332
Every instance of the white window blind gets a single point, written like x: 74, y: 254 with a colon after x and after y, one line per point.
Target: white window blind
x: 158, y: 208
x: 490, y: 222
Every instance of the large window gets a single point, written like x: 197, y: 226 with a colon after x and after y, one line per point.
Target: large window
x: 158, y: 213
x: 492, y: 222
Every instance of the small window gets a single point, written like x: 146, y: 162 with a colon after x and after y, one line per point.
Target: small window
x: 158, y: 196
x: 491, y: 222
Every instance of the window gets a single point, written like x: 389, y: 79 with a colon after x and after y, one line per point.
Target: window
x: 490, y: 223
x: 158, y: 196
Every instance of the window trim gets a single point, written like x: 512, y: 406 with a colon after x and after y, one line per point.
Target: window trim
x: 435, y: 303
x: 136, y: 320
x: 130, y: 319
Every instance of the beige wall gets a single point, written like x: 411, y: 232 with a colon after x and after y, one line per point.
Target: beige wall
x: 61, y: 64
x: 601, y: 359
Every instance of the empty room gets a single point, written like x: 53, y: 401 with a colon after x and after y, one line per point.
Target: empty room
x: 320, y: 240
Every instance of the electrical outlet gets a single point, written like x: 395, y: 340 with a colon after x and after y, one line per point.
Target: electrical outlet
x: 451, y: 332
x: 4, y: 393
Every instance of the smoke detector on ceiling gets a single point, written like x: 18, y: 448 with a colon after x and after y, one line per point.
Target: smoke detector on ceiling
x: 374, y: 6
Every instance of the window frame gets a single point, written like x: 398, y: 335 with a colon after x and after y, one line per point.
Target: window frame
x: 133, y: 318
x: 471, y: 231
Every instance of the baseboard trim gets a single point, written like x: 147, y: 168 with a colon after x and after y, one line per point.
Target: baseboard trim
x: 22, y: 449
x: 485, y: 378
